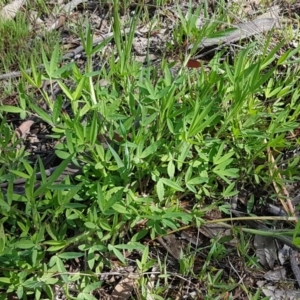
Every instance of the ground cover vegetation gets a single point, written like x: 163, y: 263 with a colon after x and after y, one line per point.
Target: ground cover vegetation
x: 144, y: 165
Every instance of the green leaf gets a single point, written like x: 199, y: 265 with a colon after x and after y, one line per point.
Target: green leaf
x: 58, y: 171
x: 117, y: 157
x: 169, y: 223
x: 5, y: 280
x: 28, y: 78
x: 229, y: 73
x: 296, y: 240
x: 57, y: 109
x: 223, y: 165
x: 160, y: 190
x: 62, y: 154
x: 219, y: 153
x: 45, y: 61
x: 145, y: 255
x: 100, y: 198
x: 20, y: 292
x: 66, y: 90
x: 48, y: 289
x: 191, y: 188
x: 69, y: 139
x: 232, y: 173
x: 120, y: 208
x: 150, y: 149
x: 92, y: 74
x: 90, y: 225
x: 20, y: 174
x: 131, y: 246
x: 139, y: 235
x: 271, y: 55
x: 29, y: 188
x: 197, y: 180
x: 11, y: 109
x: 223, y: 159
x: 171, y: 169
x: 61, y: 268
x: 59, y: 71
x: 200, y: 114
x: 286, y: 55
x: 55, y: 248
x: 63, y: 187
x: 185, y: 217
x: 85, y: 296
x: 24, y: 244
x: 101, y: 45
x: 37, y: 76
x: 229, y: 192
x: 172, y: 184
x: 32, y: 283
x: 70, y: 255
x: 2, y: 244
x: 54, y: 61
x: 92, y: 286
x: 91, y: 258
x: 94, y: 129
x: 78, y: 92
x: 148, y: 120
x: 284, y: 91
x: 105, y: 226
x: 88, y: 39
x: 38, y: 293
x: 22, y: 99
x: 114, y: 199
x: 184, y: 153
x: 117, y: 253
x: 28, y: 168
x: 41, y: 113
x: 54, y: 242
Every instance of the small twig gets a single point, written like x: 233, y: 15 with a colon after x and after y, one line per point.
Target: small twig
x: 236, y: 272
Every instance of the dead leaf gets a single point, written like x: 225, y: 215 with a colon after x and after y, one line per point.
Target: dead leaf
x: 173, y: 246
x: 9, y: 11
x: 217, y: 230
x: 277, y: 294
x: 123, y: 289
x: 65, y: 9
x: 24, y: 129
x: 192, y: 63
x: 276, y: 275
x: 272, y: 12
x: 265, y: 250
